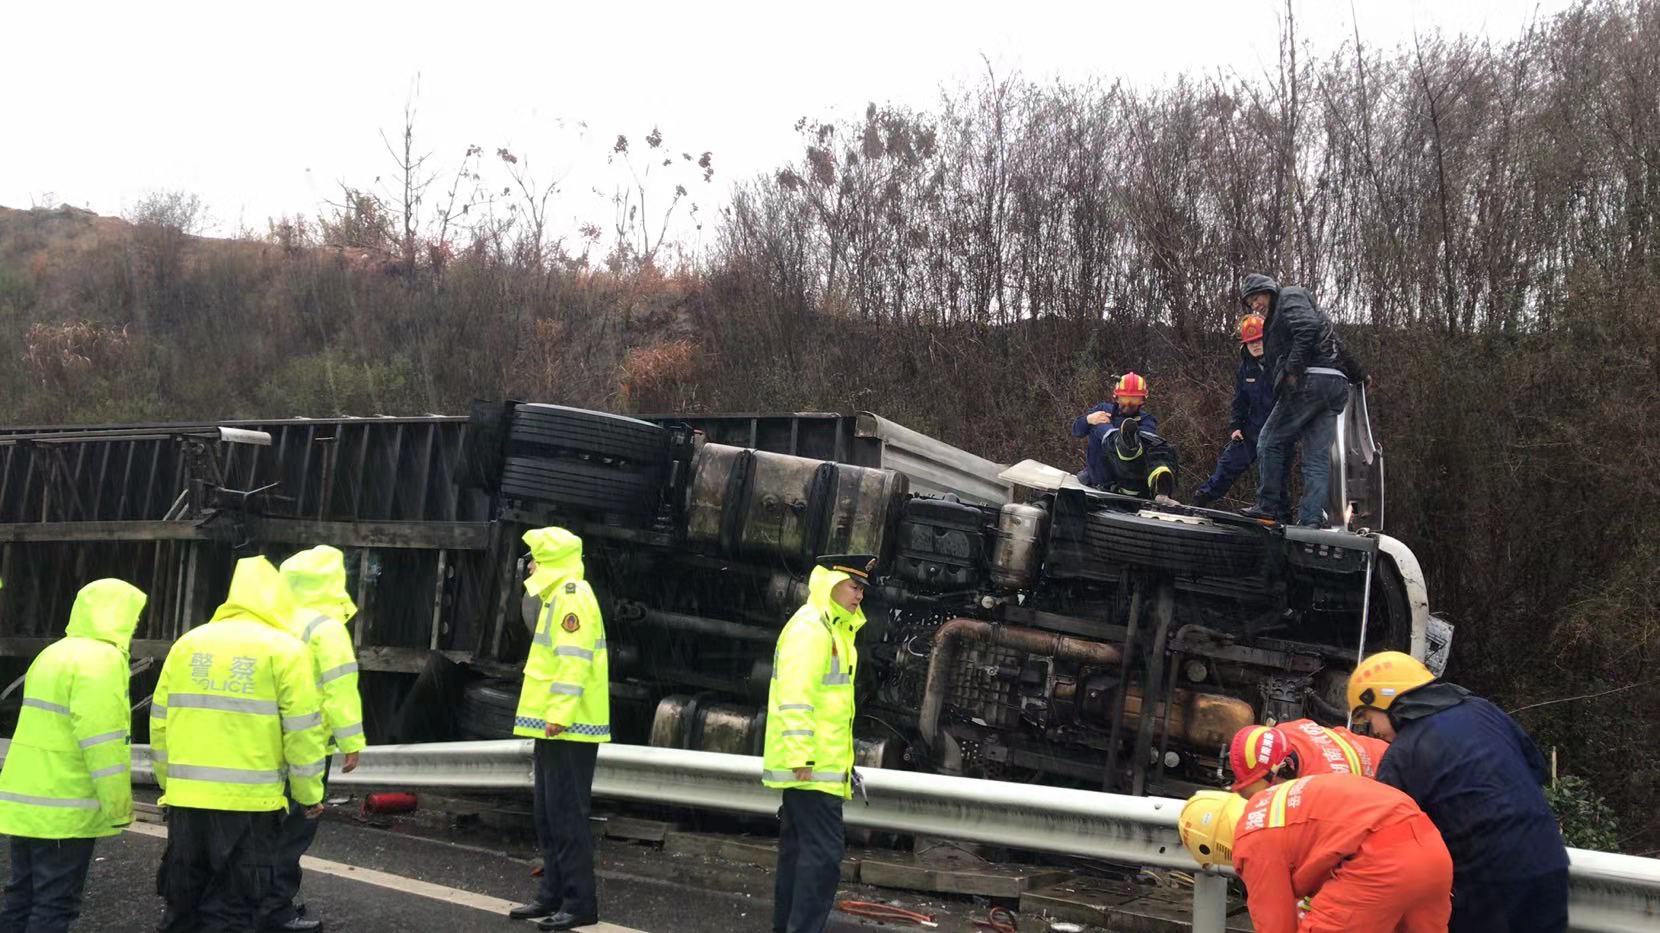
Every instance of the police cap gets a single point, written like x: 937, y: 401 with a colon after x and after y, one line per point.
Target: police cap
x: 859, y: 567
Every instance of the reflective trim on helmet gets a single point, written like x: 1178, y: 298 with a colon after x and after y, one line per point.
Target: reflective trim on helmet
x: 223, y: 775
x: 223, y: 704
x: 50, y: 707
x: 101, y: 739
x: 75, y: 803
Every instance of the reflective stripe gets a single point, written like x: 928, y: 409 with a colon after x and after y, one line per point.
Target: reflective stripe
x: 790, y: 732
x: 158, y: 754
x: 296, y: 723
x: 585, y: 729
x: 346, y: 732
x: 570, y: 690
x: 157, y: 711
x: 786, y: 707
x: 599, y: 644
x: 1325, y: 371
x: 335, y: 673
x: 833, y: 679
x: 311, y: 770
x: 49, y: 707
x: 223, y: 775
x: 78, y: 803
x: 225, y: 704
x: 111, y: 771
x: 1276, y: 805
x: 312, y: 626
x: 1347, y: 750
x: 572, y: 651
x: 541, y: 638
x: 837, y: 776
x: 106, y: 737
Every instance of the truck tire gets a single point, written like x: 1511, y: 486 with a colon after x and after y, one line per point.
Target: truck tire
x: 1182, y: 547
x: 576, y: 484
x: 553, y: 430
x: 487, y: 710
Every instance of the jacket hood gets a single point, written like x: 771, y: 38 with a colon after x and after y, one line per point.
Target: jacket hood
x: 1427, y: 700
x: 558, y: 557
x: 1257, y: 282
x: 819, y: 585
x: 107, y: 610
x: 317, y: 578
x: 258, y: 591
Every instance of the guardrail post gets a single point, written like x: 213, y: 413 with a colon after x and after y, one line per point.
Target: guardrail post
x: 1210, y: 902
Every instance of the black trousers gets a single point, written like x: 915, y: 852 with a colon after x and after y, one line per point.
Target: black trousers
x: 810, y: 846
x: 277, y: 906
x: 217, y: 869
x: 48, y: 876
x: 1533, y: 905
x: 563, y: 800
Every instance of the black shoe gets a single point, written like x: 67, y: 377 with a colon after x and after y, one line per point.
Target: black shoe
x: 297, y: 925
x: 1201, y: 502
x: 565, y: 921
x: 1260, y: 514
x: 533, y: 911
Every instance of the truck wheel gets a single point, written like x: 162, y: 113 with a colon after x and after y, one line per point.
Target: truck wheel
x: 577, y: 484
x: 487, y: 709
x: 553, y: 430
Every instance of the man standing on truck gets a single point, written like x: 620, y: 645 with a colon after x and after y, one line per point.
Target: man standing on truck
x: 67, y: 780
x: 234, y: 719
x: 1253, y: 399
x: 1310, y: 374
x: 1332, y: 853
x: 1480, y: 778
x: 1264, y: 756
x: 1129, y: 395
x: 317, y: 579
x: 809, y: 743
x: 565, y: 704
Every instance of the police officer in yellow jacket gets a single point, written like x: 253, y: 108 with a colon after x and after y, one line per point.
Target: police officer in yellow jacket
x: 66, y: 780
x: 566, y: 704
x: 235, y: 718
x: 317, y: 579
x: 809, y: 746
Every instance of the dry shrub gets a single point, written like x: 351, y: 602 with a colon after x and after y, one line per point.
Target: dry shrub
x: 662, y: 377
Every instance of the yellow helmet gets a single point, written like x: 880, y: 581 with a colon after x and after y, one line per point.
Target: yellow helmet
x: 1384, y: 676
x: 1207, y: 825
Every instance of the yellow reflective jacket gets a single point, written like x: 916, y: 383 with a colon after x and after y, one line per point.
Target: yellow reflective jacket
x: 810, y: 702
x: 68, y: 771
x: 567, y: 675
x: 317, y: 578
x: 236, y: 709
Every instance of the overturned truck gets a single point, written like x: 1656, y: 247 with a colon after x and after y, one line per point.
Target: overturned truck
x: 1023, y: 628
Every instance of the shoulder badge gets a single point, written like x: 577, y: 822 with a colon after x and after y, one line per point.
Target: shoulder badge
x: 571, y: 623
x: 570, y: 587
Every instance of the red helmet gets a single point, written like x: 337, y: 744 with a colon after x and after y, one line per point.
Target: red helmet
x: 1130, y: 385
x: 1250, y: 329
x: 1256, y: 752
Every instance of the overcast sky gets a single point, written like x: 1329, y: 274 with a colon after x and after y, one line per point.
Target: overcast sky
x: 262, y: 109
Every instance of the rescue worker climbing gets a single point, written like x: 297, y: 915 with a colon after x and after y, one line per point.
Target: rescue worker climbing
x: 317, y: 580
x: 66, y: 781
x: 809, y: 741
x: 1253, y: 399
x: 565, y: 704
x: 1480, y: 778
x: 1124, y: 453
x: 235, y: 717
x: 1363, y: 855
x: 1262, y: 756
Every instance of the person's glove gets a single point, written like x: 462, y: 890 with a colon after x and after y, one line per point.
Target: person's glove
x: 1237, y: 435
x: 1162, y: 499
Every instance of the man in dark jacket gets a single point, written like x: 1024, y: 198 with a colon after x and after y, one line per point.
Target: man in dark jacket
x: 1479, y: 777
x: 1253, y: 399
x: 1310, y: 375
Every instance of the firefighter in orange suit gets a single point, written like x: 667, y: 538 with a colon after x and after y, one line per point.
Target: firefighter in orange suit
x: 1262, y: 756
x: 1332, y: 853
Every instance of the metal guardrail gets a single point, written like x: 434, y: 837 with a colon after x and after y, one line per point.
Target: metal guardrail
x: 1609, y: 893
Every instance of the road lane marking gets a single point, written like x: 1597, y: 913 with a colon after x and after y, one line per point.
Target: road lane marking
x: 381, y: 879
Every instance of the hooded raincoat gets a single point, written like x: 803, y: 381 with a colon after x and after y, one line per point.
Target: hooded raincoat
x: 567, y: 675
x: 236, y: 708
x: 68, y: 771
x: 317, y: 579
x: 810, y: 703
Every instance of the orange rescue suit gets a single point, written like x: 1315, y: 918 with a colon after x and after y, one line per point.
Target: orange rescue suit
x: 1371, y: 861
x: 1332, y: 750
